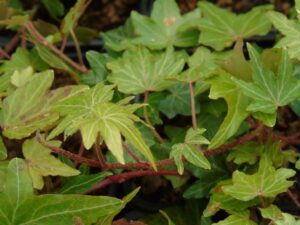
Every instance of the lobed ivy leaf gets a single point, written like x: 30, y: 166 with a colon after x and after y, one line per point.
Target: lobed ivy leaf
x: 290, y: 29
x: 220, y: 200
x: 41, y: 163
x: 166, y: 26
x: 247, y: 153
x: 118, y: 39
x: 98, y: 72
x: 18, y: 197
x: 266, y: 182
x: 189, y: 151
x: 93, y: 114
x: 223, y: 87
x: 140, y: 70
x: 237, y: 219
x: 277, y: 217
x: 20, y: 118
x: 178, y: 101
x: 221, y: 28
x: 267, y: 90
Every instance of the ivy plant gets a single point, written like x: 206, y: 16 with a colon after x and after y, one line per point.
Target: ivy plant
x: 192, y: 97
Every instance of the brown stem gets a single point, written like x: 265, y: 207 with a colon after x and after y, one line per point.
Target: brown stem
x: 146, y: 165
x: 63, y: 43
x: 120, y: 178
x: 154, y: 131
x: 80, y: 153
x: 193, y: 108
x: 77, y: 47
x: 293, y: 198
x: 42, y: 40
x: 4, y: 54
x: 131, y: 153
x: 99, y: 154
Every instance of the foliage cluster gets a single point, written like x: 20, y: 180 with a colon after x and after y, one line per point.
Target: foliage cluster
x: 172, y: 95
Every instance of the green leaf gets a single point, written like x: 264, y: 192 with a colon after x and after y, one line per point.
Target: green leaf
x: 191, y: 154
x: 277, y: 217
x: 235, y: 63
x: 41, y: 163
x: 98, y: 71
x: 166, y: 26
x: 220, y: 28
x: 267, y: 90
x: 139, y: 70
x: 223, y: 87
x: 18, y: 197
x: 19, y: 78
x: 220, y: 200
x: 290, y: 29
x: 81, y: 183
x: 194, y: 136
x: 3, y: 150
x: 266, y: 182
x: 272, y: 213
x: 71, y: 19
x: 20, y: 118
x: 247, y: 153
x: 93, y: 114
x: 165, y: 215
x: 178, y: 101
x: 54, y: 7
x: 237, y: 219
x: 118, y: 39
x: 53, y: 60
x: 189, y: 151
x: 206, y: 179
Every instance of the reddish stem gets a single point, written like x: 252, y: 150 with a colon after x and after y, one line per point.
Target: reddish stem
x: 120, y: 178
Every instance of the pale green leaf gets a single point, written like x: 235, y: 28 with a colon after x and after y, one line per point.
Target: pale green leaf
x: 290, y: 29
x: 140, y: 70
x: 93, y: 114
x: 194, y: 136
x: 267, y: 90
x: 277, y: 217
x: 18, y: 197
x: 223, y: 87
x: 41, y: 163
x: 19, y: 78
x: 20, y: 118
x: 220, y: 28
x: 191, y: 154
x: 266, y: 182
x: 166, y: 26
